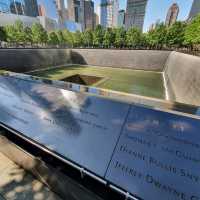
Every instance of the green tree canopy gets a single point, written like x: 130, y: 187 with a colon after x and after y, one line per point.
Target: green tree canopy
x: 19, y: 31
x: 60, y: 36
x: 88, y: 38
x: 144, y: 40
x: 108, y: 38
x: 119, y: 40
x: 98, y: 35
x: 68, y: 38
x: 133, y: 37
x: 78, y: 39
x: 28, y: 35
x: 157, y: 36
x: 2, y: 34
x: 175, y: 34
x: 39, y: 34
x: 52, y: 38
x: 192, y: 32
x: 10, y: 33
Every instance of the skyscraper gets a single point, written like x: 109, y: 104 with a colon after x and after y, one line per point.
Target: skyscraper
x: 60, y: 7
x: 20, y: 7
x: 195, y: 10
x: 76, y: 11
x: 135, y: 13
x: 96, y: 20
x: 31, y: 8
x: 172, y: 14
x: 89, y: 14
x: 41, y: 10
x: 109, y: 13
x: 16, y: 7
x: 48, y: 8
x: 121, y: 18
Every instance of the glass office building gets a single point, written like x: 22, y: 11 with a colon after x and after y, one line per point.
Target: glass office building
x: 20, y: 7
x: 109, y: 13
x: 195, y: 10
x: 5, y: 6
x: 31, y: 8
x: 135, y: 13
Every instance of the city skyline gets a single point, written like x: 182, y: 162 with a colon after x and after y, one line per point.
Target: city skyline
x: 154, y: 11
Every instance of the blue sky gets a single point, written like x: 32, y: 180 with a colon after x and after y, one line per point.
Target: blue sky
x: 156, y: 9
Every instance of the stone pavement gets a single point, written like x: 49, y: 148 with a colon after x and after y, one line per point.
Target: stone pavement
x: 17, y: 184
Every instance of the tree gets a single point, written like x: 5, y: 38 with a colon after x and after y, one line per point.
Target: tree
x: 68, y: 38
x: 98, y: 34
x: 60, y: 37
x: 77, y: 39
x: 2, y: 34
x: 157, y: 36
x: 107, y: 38
x: 28, y: 35
x: 88, y: 38
x: 10, y: 33
x: 133, y: 37
x: 144, y: 40
x: 19, y: 32
x: 192, y: 32
x: 119, y: 40
x: 175, y: 34
x: 52, y: 38
x: 39, y: 34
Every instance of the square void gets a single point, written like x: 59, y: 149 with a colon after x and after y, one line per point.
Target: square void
x: 82, y: 79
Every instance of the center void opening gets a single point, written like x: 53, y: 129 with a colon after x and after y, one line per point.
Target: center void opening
x: 82, y: 79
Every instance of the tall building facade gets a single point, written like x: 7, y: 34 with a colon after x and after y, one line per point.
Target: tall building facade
x: 135, y: 13
x: 76, y: 11
x: 109, y: 13
x: 60, y: 7
x: 17, y: 7
x: 121, y: 18
x: 20, y: 7
x: 41, y: 10
x: 31, y: 8
x: 96, y: 20
x: 195, y: 10
x: 11, y: 6
x: 172, y: 14
x: 89, y: 14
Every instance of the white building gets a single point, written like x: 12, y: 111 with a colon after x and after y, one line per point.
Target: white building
x: 48, y: 23
x: 109, y: 13
x: 9, y: 19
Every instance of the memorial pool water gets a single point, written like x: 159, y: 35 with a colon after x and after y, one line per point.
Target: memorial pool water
x: 145, y: 83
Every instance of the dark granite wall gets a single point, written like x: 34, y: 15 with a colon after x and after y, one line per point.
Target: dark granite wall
x: 23, y: 60
x: 134, y: 59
